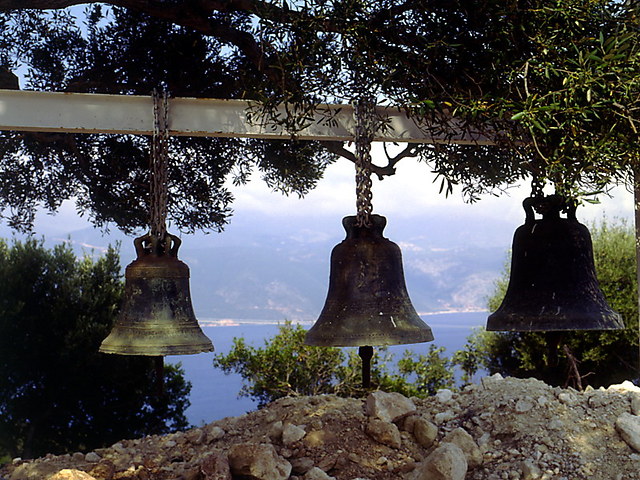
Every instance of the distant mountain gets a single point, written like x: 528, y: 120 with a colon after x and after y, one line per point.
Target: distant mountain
x: 275, y: 268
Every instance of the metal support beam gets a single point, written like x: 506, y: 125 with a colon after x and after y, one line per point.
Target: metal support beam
x: 23, y: 110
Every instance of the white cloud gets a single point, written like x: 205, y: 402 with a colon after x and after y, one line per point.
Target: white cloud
x: 409, y: 192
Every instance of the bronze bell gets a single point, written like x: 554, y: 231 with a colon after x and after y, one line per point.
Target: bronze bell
x: 553, y: 284
x: 367, y: 303
x: 156, y: 317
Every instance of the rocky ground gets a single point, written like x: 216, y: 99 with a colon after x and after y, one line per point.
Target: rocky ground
x: 499, y: 429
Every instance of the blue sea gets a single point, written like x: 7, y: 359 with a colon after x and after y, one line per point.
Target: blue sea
x: 214, y: 395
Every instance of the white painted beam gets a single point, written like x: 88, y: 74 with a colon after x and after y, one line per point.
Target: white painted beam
x: 23, y: 110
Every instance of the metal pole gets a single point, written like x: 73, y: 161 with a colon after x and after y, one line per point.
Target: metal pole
x: 366, y: 353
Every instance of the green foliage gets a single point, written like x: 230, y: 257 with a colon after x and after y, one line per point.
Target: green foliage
x: 576, y: 95
x: 57, y: 393
x: 604, y: 357
x: 555, y: 82
x: 285, y: 366
x: 431, y: 371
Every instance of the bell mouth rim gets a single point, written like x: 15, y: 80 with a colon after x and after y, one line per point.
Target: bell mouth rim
x: 149, y: 352
x: 549, y: 323
x: 370, y: 340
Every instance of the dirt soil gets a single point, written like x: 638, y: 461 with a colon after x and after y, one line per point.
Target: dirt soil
x: 513, y: 429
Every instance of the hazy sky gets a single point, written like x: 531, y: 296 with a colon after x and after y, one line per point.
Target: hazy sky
x: 409, y: 193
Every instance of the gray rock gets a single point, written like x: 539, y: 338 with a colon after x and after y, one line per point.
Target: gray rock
x: 445, y: 416
x: 215, y: 466
x: 530, y: 471
x: 92, y: 457
x: 447, y: 462
x: 567, y: 398
x: 494, y: 381
x: 258, y: 462
x: 119, y: 448
x: 214, y: 433
x: 317, y: 474
x: 409, y: 422
x: 275, y: 430
x: 523, y: 405
x: 301, y: 465
x: 389, y: 406
x: 292, y: 433
x: 77, y: 457
x: 629, y: 428
x: 196, y: 436
x: 424, y: 432
x: 385, y: 433
x: 635, y: 403
x: 467, y: 444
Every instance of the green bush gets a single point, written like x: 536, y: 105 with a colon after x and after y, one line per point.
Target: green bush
x: 576, y: 358
x: 285, y: 366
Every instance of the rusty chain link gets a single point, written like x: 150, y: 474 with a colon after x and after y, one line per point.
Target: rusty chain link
x: 364, y: 110
x: 159, y: 161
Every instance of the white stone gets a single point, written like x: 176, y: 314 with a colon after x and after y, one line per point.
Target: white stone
x: 317, y: 474
x: 71, y: 474
x: 493, y: 381
x: 258, y: 461
x: 447, y: 462
x: 461, y: 438
x: 444, y: 395
x: 625, y: 386
x: 567, y: 398
x: 629, y: 428
x: 389, y: 406
x: 542, y: 400
x: 442, y: 417
x: 292, y: 433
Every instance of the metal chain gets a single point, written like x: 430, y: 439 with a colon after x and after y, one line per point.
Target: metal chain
x: 159, y: 160
x: 364, y: 110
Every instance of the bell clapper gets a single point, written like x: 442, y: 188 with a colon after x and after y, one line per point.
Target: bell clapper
x: 366, y: 353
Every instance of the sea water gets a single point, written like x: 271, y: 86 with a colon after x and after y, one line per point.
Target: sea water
x: 215, y: 395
